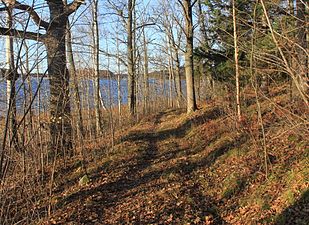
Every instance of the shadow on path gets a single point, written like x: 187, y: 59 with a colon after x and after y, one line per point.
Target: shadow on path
x: 296, y: 214
x: 106, y: 196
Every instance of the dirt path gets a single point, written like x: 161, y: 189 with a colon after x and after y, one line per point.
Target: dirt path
x: 152, y: 186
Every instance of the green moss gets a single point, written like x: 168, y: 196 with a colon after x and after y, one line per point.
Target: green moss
x: 266, y: 206
x: 292, y: 138
x: 290, y: 176
x: 305, y: 196
x: 235, y: 152
x: 288, y: 196
x: 84, y: 180
x: 231, y: 185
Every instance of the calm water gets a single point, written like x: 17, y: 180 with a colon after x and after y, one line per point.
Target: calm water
x: 86, y: 87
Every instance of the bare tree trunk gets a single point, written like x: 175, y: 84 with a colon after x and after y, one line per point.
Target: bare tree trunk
x: 54, y: 40
x: 201, y: 21
x: 88, y: 98
x: 170, y: 72
x: 77, y: 98
x: 255, y: 87
x: 178, y: 79
x: 204, y: 45
x: 191, y: 99
x: 170, y: 85
x: 169, y: 69
x: 12, y: 76
x: 131, y: 64
x: 290, y: 57
x: 236, y: 63
x: 118, y: 80
x: 60, y: 126
x: 30, y: 97
x: 146, y: 75
x: 110, y: 94
x: 40, y: 138
x: 96, y: 46
x: 10, y: 124
x: 137, y: 59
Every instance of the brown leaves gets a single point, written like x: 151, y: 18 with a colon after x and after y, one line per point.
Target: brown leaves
x: 203, y: 173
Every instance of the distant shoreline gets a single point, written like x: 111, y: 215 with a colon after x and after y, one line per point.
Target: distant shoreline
x: 89, y: 73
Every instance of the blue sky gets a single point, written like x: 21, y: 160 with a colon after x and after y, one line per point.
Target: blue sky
x: 81, y: 22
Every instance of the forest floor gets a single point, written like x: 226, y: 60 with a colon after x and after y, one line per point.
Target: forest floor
x: 174, y: 168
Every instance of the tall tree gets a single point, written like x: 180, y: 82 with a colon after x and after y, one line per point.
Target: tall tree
x: 131, y: 60
x: 118, y: 78
x: 72, y: 69
x: 187, y: 6
x: 54, y: 40
x: 96, y: 60
x: 11, y: 76
x: 236, y: 61
x: 146, y: 74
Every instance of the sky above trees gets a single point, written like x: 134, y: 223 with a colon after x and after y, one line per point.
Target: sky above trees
x: 111, y: 28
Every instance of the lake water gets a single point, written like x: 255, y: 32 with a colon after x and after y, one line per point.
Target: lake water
x: 86, y: 87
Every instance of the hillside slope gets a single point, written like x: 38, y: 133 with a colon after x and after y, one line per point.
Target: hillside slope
x: 174, y: 168
x: 178, y: 169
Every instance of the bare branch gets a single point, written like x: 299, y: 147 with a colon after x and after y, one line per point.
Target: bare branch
x: 182, y: 6
x: 114, y: 56
x: 21, y: 34
x: 193, y: 3
x: 35, y: 17
x: 143, y: 25
x: 72, y: 7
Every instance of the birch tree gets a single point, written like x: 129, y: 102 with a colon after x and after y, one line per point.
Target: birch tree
x: 236, y: 61
x: 96, y: 61
x: 11, y: 77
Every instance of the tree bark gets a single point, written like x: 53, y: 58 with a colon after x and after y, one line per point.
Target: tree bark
x: 54, y: 40
x: 204, y: 45
x: 178, y: 79
x: 236, y: 63
x: 96, y: 57
x: 201, y: 21
x: 131, y: 64
x: 60, y: 124
x: 191, y: 99
x: 118, y: 80
x: 146, y: 75
x: 77, y: 98
x: 11, y: 76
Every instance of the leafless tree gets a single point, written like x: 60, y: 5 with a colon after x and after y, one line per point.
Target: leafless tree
x: 236, y: 61
x: 187, y: 6
x: 54, y: 40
